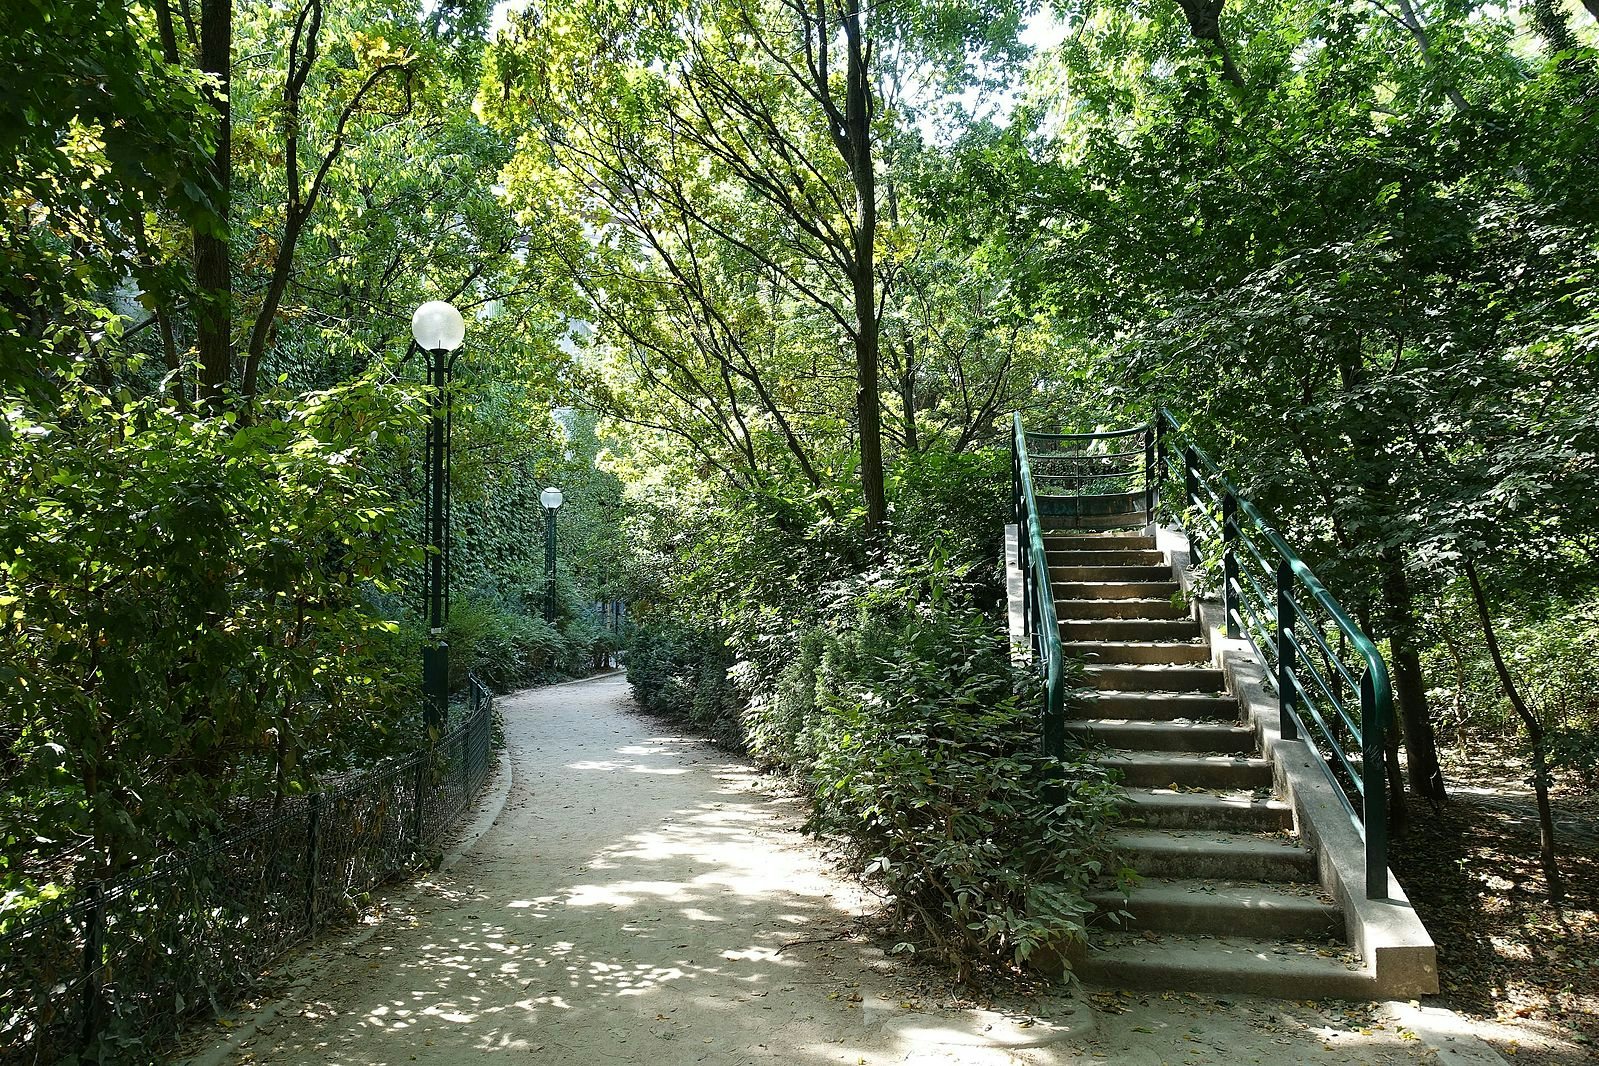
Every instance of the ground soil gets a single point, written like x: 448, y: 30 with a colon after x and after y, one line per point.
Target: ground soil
x: 1527, y: 970
x: 644, y: 898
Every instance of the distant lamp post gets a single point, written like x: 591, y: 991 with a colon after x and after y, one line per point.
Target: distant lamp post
x: 438, y: 329
x: 552, y: 499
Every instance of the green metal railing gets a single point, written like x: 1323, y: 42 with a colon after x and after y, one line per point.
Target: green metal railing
x: 1038, y: 599
x: 1089, y: 478
x: 1331, y: 682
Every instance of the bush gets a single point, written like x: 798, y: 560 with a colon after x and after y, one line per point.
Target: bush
x: 922, y: 746
x: 506, y: 649
x: 680, y: 671
x: 875, y: 671
x: 919, y: 745
x: 186, y: 611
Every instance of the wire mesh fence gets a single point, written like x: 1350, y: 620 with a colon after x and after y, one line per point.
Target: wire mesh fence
x: 110, y: 973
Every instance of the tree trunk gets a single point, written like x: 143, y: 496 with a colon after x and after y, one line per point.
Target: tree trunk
x: 858, y: 132
x: 1410, y: 688
x: 907, y: 398
x: 213, y: 272
x: 1204, y: 22
x: 1412, y: 22
x: 1550, y: 18
x: 1398, y: 799
x: 1535, y: 735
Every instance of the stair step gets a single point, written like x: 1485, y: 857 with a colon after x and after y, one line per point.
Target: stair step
x: 1215, y: 853
x: 1119, y: 609
x: 1077, y: 630
x: 1124, y: 506
x: 1160, y: 769
x: 1224, y: 964
x: 1058, y: 573
x: 1153, y: 706
x: 1110, y: 557
x: 1099, y: 541
x: 1161, y: 808
x: 1154, y: 677
x: 1224, y: 907
x: 1131, y: 735
x: 1116, y: 590
x: 1066, y: 524
x: 1106, y: 652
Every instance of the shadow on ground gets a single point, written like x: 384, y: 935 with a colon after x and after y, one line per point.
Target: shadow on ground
x: 642, y: 899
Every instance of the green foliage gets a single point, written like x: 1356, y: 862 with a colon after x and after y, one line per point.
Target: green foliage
x: 679, y: 671
x: 883, y: 684
x: 927, y: 756
x: 1550, y: 649
x: 97, y: 133
x: 186, y: 610
x: 510, y: 647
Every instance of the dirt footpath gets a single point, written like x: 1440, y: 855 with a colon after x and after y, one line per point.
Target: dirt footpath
x: 645, y: 899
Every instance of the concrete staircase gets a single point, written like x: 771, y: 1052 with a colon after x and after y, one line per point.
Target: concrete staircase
x: 1229, y: 897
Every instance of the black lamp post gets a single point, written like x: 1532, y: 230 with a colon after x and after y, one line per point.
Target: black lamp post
x: 552, y: 499
x: 439, y: 330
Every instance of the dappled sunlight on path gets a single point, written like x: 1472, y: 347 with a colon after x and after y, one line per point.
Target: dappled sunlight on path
x: 644, y: 899
x: 639, y: 900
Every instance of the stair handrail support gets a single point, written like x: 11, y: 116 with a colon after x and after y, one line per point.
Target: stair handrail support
x: 1275, y: 623
x: 1038, y: 598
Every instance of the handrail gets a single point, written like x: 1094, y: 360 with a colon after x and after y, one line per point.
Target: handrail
x: 1284, y: 634
x: 1109, y: 434
x: 1038, y: 598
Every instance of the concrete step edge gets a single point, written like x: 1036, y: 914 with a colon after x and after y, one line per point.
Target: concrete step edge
x: 1232, y: 895
x: 1237, y: 966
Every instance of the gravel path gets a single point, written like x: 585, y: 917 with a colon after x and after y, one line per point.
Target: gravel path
x: 644, y: 898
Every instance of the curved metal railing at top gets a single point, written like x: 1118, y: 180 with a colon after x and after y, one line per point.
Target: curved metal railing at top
x: 1332, y: 684
x: 1038, y: 599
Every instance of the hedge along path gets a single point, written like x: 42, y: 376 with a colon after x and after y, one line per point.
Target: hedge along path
x: 644, y: 898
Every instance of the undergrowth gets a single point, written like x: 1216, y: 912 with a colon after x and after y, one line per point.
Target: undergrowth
x: 917, y: 742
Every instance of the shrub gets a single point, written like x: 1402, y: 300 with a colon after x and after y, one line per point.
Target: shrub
x: 875, y: 672
x: 506, y: 649
x: 927, y: 756
x: 919, y: 744
x: 186, y: 610
x: 682, y: 671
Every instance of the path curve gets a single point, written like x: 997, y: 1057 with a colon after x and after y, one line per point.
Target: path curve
x: 644, y: 898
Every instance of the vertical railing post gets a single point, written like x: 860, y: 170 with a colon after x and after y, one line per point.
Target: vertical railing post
x: 1191, y: 495
x: 1286, y: 659
x: 1149, y: 475
x: 1160, y: 454
x: 93, y: 964
x: 1015, y: 480
x: 1054, y: 721
x: 313, y: 850
x: 417, y: 813
x: 1230, y: 584
x: 1374, y: 787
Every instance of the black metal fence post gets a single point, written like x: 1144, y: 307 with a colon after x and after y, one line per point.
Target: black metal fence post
x: 420, y: 802
x: 1191, y: 495
x: 313, y: 857
x: 93, y: 964
x: 1285, y: 651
